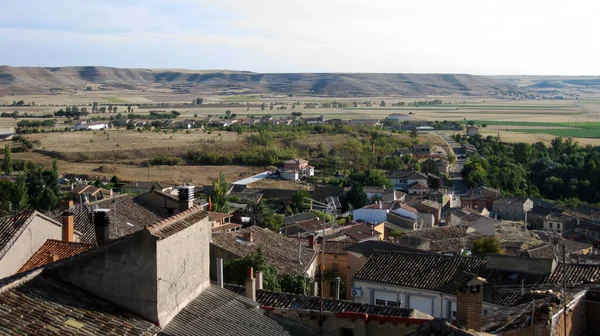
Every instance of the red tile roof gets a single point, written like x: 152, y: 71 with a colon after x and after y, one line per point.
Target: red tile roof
x: 58, y: 248
x: 179, y: 222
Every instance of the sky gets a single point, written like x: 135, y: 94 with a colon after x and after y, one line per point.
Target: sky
x: 485, y: 37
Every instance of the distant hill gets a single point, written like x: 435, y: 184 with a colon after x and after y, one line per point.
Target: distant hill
x: 39, y: 80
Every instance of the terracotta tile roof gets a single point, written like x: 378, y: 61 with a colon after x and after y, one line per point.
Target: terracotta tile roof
x: 298, y: 217
x: 436, y: 273
x: 226, y: 227
x: 337, y: 247
x: 130, y: 217
x: 360, y: 232
x: 418, y: 186
x: 438, y: 233
x: 219, y: 312
x: 369, y: 247
x: 312, y: 225
x: 549, y: 250
x: 453, y: 245
x: 11, y: 228
x: 217, y: 216
x: 58, y: 248
x: 297, y: 301
x: 34, y: 303
x: 280, y: 251
x: 177, y: 223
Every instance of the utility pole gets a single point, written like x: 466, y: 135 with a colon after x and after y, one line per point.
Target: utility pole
x: 564, y: 289
x: 533, y: 319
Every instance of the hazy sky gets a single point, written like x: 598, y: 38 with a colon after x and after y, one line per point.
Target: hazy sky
x: 451, y: 36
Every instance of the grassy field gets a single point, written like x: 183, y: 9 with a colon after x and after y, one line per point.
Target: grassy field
x: 562, y: 129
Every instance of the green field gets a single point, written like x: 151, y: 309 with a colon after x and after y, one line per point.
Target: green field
x: 114, y: 100
x: 564, y: 132
x: 241, y: 99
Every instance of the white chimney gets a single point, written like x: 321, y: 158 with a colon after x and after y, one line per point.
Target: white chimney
x: 251, y: 285
x: 220, y: 272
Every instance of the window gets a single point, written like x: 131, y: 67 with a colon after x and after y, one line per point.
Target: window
x: 346, y: 332
x: 393, y: 304
x: 380, y: 302
x: 558, y: 226
x: 550, y: 225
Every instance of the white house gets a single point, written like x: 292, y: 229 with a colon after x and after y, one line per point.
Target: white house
x: 553, y: 223
x: 373, y: 213
x: 91, y: 126
x: 472, y: 130
x: 402, y: 179
x: 296, y: 169
x: 481, y: 224
x: 406, y: 211
x: 426, y: 282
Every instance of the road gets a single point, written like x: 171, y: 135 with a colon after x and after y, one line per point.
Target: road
x: 458, y: 185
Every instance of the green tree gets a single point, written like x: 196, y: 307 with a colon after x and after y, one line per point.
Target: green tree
x: 199, y: 101
x: 428, y: 166
x: 19, y: 198
x: 296, y: 284
x: 299, y: 200
x: 219, y: 196
x: 487, y: 245
x: 376, y: 177
x: 357, y: 197
x: 7, y: 163
x: 382, y: 103
x: 115, y: 180
x: 236, y: 270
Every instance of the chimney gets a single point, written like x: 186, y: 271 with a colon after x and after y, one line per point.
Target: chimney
x: 311, y: 242
x: 469, y: 300
x: 52, y: 257
x: 185, y: 197
x: 259, y: 280
x: 249, y: 236
x: 251, y: 285
x: 101, y: 226
x: 314, y: 289
x: 110, y: 193
x: 220, y: 272
x: 65, y: 205
x: 68, y: 223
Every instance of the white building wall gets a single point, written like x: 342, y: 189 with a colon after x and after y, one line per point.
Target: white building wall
x: 405, y: 213
x: 370, y: 215
x: 433, y: 303
x: 28, y: 243
x: 289, y: 176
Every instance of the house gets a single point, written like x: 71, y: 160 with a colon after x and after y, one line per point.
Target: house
x: 296, y: 169
x: 22, y: 235
x: 373, y: 213
x: 104, y: 221
x: 137, y: 188
x: 421, y: 150
x: 398, y: 117
x: 417, y: 188
x: 287, y: 255
x: 428, y: 206
x: 555, y: 223
x: 539, y: 211
x: 396, y: 222
x: 480, y: 224
x: 166, y: 204
x: 85, y: 193
x: 91, y: 126
x: 454, y: 215
x: 54, y: 250
x: 426, y: 282
x: 361, y: 232
x: 303, y: 228
x: 155, y: 281
x: 401, y: 180
x: 512, y: 208
x: 472, y: 130
x: 221, y: 222
x: 339, y: 317
x: 479, y: 198
x: 336, y: 264
x: 442, y: 166
x: 469, y: 149
x: 315, y: 121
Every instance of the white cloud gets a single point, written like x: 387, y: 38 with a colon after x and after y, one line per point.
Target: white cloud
x: 482, y: 37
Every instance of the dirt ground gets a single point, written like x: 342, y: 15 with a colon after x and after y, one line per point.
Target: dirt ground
x: 280, y: 184
x: 173, y: 175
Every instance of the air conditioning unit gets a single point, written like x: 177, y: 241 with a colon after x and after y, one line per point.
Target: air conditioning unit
x: 356, y: 292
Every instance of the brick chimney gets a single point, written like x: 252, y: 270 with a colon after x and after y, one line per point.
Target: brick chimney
x: 251, y: 285
x: 311, y: 242
x: 52, y: 257
x: 65, y: 205
x: 249, y: 236
x: 469, y: 300
x: 68, y: 228
x: 101, y: 226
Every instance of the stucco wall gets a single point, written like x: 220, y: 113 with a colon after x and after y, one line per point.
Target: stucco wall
x: 438, y: 300
x: 159, y: 204
x: 182, y: 268
x: 30, y: 240
x: 370, y: 215
x: 215, y: 253
x: 123, y: 272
